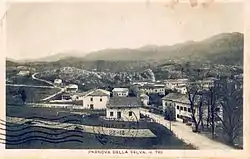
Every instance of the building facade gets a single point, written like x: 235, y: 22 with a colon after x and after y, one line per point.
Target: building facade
x: 173, y: 83
x: 72, y: 88
x: 145, y: 99
x: 120, y: 92
x: 58, y: 81
x: 123, y: 108
x: 181, y: 89
x: 182, y: 107
x: 155, y: 88
x: 96, y: 99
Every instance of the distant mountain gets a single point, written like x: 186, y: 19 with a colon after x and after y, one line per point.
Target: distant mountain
x: 11, y: 62
x: 55, y: 57
x: 223, y: 46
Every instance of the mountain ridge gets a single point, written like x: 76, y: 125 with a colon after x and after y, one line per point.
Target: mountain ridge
x: 224, y: 45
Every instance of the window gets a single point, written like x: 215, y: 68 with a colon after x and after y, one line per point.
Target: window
x: 189, y: 110
x: 178, y: 116
x: 91, y: 106
x: 130, y: 113
x: 91, y: 99
x: 111, y: 113
x: 185, y: 109
x: 178, y: 107
x: 181, y: 108
x: 100, y: 99
x: 217, y: 109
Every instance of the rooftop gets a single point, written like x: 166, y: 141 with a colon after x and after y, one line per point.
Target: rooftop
x: 181, y: 80
x: 99, y: 92
x: 152, y: 86
x: 124, y: 102
x: 72, y: 86
x: 93, y: 92
x: 120, y: 89
x: 177, y: 97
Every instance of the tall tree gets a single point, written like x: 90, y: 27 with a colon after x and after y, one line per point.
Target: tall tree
x: 170, y: 113
x: 212, y: 105
x: 195, y: 97
x: 231, y: 101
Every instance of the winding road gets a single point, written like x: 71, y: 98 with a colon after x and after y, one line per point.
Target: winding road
x: 53, y: 86
x: 25, y: 85
x: 185, y: 133
x: 35, y: 86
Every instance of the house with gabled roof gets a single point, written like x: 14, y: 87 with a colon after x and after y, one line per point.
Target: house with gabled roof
x: 181, y: 104
x: 182, y: 107
x: 124, y: 108
x: 96, y: 99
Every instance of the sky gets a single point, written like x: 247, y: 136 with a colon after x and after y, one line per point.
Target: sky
x: 35, y: 30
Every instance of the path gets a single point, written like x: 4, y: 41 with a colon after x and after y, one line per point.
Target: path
x: 25, y: 85
x: 184, y: 132
x: 53, y: 86
x: 42, y: 80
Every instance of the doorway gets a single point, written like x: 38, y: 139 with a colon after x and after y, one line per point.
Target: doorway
x: 119, y: 115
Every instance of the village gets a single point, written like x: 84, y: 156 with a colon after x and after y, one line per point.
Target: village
x: 148, y: 78
x: 180, y: 102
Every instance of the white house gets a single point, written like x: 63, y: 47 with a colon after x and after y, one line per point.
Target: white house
x: 96, y: 99
x: 72, y: 88
x: 173, y: 83
x: 124, y: 108
x: 58, y: 81
x: 139, y: 83
x: 153, y: 88
x: 120, y: 92
x: 181, y: 89
x: 145, y: 99
x: 181, y: 104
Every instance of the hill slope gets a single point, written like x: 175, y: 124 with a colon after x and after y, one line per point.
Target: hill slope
x: 223, y: 46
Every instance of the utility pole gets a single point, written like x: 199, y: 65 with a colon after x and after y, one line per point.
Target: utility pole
x: 170, y: 125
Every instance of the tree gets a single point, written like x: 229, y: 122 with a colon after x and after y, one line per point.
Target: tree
x: 196, y: 99
x: 170, y: 113
x: 23, y: 95
x: 134, y: 91
x: 231, y: 101
x: 212, y: 103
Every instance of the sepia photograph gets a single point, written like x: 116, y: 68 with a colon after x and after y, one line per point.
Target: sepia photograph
x: 124, y: 75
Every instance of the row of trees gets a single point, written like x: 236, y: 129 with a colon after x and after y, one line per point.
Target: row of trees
x: 221, y: 103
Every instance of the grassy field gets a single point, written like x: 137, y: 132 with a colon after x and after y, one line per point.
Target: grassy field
x: 33, y: 94
x: 25, y: 80
x: 165, y: 139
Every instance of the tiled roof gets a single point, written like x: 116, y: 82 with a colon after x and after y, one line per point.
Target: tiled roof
x: 177, y: 97
x: 124, y: 102
x: 93, y: 92
x: 98, y: 92
x: 149, y: 86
